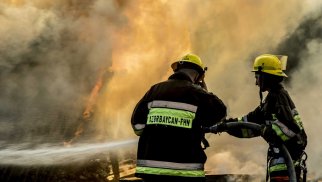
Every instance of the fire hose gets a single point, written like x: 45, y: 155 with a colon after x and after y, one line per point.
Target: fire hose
x: 257, y: 127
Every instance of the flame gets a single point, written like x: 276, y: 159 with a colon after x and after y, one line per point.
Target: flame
x: 93, y: 96
x: 142, y: 38
x: 89, y: 108
x: 140, y: 57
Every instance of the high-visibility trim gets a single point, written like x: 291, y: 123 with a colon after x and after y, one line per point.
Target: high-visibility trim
x: 170, y: 117
x: 170, y: 172
x: 279, y: 164
x: 279, y: 160
x: 298, y: 121
x: 170, y: 165
x: 172, y: 105
x: 278, y: 167
x: 282, y: 131
x: 138, y: 129
x: 138, y: 126
x: 297, y: 118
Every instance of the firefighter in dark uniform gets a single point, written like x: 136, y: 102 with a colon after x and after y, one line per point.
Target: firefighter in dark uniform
x: 169, y: 120
x: 279, y: 117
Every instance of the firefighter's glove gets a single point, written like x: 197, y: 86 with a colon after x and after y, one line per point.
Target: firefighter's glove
x: 269, y: 134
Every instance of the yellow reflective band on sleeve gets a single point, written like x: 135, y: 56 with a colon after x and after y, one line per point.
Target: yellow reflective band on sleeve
x: 278, y: 167
x: 170, y: 172
x: 298, y: 121
x: 171, y: 117
x: 279, y: 132
x: 297, y: 118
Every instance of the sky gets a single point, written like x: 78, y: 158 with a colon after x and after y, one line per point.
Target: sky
x: 61, y: 58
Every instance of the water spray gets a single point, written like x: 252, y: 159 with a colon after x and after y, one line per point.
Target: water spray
x: 52, y: 155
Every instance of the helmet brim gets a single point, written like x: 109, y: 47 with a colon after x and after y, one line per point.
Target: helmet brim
x: 272, y: 72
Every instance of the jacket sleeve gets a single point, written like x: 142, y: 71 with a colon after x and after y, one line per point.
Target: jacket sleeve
x: 277, y: 113
x: 286, y: 121
x: 212, y: 110
x: 255, y: 116
x: 139, y: 115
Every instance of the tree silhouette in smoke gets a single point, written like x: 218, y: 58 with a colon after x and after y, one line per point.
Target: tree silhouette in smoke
x: 295, y: 45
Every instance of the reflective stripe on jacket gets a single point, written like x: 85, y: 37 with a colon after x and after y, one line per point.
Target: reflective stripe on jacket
x: 170, y: 168
x: 168, y: 120
x: 171, y: 113
x: 279, y: 111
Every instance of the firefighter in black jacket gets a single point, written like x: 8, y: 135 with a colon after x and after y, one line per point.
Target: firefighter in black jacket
x: 169, y: 120
x: 279, y: 117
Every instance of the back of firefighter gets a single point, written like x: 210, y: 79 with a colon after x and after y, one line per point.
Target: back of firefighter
x: 168, y: 120
x: 278, y: 115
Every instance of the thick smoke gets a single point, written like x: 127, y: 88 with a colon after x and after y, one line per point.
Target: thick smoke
x: 306, y: 87
x: 304, y: 48
x: 306, y: 84
x: 51, y: 58
x: 297, y: 43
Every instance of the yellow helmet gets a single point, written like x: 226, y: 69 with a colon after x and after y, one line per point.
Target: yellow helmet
x: 190, y: 58
x: 270, y: 64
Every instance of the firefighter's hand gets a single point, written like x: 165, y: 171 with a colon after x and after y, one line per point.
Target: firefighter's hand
x: 222, y: 126
x: 269, y: 134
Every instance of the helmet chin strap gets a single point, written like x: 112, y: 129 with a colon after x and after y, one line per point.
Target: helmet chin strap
x: 261, y: 84
x: 196, y: 79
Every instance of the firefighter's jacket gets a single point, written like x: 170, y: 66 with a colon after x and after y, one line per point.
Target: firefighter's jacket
x: 279, y: 111
x: 168, y: 120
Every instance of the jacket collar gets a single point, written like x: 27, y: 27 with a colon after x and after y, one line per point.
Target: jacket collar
x: 276, y: 87
x: 180, y: 76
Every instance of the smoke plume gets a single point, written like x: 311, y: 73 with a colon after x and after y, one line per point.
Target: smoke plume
x: 50, y: 56
x: 53, y: 52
